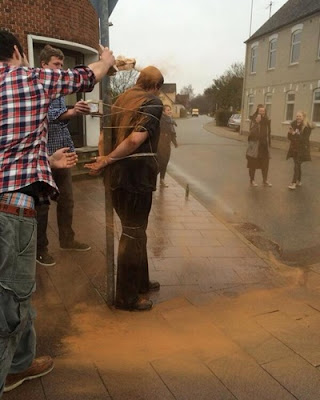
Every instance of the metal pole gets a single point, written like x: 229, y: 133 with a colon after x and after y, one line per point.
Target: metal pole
x: 251, y: 18
x: 107, y: 140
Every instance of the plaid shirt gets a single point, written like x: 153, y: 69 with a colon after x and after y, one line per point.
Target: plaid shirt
x: 58, y: 132
x: 25, y: 96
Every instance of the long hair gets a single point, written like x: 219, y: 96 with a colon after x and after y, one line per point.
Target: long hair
x: 127, y: 112
x: 305, y: 120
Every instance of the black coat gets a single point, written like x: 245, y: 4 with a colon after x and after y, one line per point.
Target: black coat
x: 260, y: 132
x: 299, y: 142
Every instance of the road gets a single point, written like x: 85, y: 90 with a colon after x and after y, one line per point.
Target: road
x: 214, y: 167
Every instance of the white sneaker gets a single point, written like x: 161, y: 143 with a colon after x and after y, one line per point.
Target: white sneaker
x: 268, y: 184
x: 253, y: 183
x: 293, y: 186
x: 299, y: 183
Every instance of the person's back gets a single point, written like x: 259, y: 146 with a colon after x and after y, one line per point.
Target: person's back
x: 139, y: 110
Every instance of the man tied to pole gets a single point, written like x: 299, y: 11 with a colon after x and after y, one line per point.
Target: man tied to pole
x: 25, y: 179
x: 135, y: 119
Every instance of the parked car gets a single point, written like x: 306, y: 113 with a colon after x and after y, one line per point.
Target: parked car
x: 234, y: 121
x: 195, y: 112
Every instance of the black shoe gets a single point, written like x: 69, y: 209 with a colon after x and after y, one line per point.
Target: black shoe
x: 45, y: 259
x: 74, y: 245
x: 154, y: 286
x: 139, y: 305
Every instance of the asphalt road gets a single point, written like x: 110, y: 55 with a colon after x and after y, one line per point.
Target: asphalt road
x: 214, y: 167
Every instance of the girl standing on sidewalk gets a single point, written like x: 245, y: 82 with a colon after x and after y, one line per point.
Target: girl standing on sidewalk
x: 260, y: 131
x: 299, y: 134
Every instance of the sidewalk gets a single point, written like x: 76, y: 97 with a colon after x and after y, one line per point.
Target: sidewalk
x: 226, y: 323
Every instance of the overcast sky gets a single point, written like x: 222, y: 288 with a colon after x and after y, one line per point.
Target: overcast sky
x: 190, y: 41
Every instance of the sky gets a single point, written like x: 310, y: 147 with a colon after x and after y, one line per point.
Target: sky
x: 191, y: 42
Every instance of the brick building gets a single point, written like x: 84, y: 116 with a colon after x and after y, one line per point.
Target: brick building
x: 71, y: 25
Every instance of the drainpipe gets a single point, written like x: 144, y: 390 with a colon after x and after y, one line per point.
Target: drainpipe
x: 243, y: 111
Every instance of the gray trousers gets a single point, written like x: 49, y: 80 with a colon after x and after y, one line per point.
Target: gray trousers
x: 17, y: 282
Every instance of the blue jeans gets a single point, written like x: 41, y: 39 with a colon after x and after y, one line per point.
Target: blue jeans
x: 18, y: 237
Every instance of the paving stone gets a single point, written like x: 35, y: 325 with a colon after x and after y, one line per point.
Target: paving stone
x: 74, y: 380
x: 32, y: 390
x: 216, y: 233
x: 82, y: 291
x: 170, y: 292
x: 188, y: 379
x: 232, y: 242
x: 303, y: 340
x: 166, y: 278
x: 297, y: 376
x: 202, y: 298
x: 206, y: 251
x: 254, y: 340
x: 194, y: 241
x: 138, y: 383
x: 246, y: 380
x: 180, y: 265
x: 171, y: 233
x: 199, y: 225
x: 219, y: 278
x: 169, y: 251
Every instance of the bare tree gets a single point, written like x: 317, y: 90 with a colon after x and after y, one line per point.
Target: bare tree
x: 122, y: 81
x: 187, y: 90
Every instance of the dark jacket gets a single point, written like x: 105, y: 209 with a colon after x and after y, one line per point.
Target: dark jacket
x: 167, y: 131
x: 299, y: 142
x: 261, y: 132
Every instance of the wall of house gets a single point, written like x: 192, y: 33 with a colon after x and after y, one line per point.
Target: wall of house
x: 66, y: 24
x: 300, y: 78
x: 75, y: 21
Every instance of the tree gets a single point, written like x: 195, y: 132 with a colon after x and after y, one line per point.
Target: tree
x: 122, y: 81
x: 203, y: 103
x: 187, y: 90
x: 226, y: 90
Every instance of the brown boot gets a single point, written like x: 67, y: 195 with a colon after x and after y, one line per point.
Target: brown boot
x: 40, y: 366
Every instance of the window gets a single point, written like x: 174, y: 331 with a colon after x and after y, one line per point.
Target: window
x: 268, y: 102
x: 316, y: 106
x: 295, y: 46
x: 291, y: 96
x: 250, y: 105
x: 272, y: 53
x: 254, y: 54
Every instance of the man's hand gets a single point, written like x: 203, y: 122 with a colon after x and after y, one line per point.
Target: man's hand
x: 98, y: 165
x: 106, y: 56
x: 62, y: 159
x: 81, y: 108
x: 258, y: 119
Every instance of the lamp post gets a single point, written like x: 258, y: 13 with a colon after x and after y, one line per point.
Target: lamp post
x: 107, y: 140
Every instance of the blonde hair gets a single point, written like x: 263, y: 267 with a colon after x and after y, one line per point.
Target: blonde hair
x: 305, y: 120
